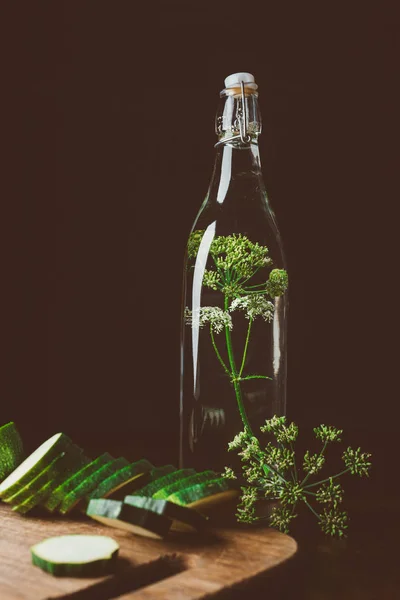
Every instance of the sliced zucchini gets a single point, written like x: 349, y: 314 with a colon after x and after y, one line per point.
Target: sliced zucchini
x: 48, y: 474
x: 155, y: 474
x: 68, y: 485
x: 183, y: 518
x: 11, y: 449
x: 76, y: 555
x: 125, y: 476
x: 207, y: 494
x: 184, y: 483
x: 37, y: 461
x: 129, y: 518
x: 36, y: 498
x: 152, y: 487
x: 90, y: 483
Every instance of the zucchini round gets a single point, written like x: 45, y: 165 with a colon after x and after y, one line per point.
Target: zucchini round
x: 129, y: 518
x: 76, y: 555
x: 37, y: 461
x: 11, y: 449
x: 184, y: 519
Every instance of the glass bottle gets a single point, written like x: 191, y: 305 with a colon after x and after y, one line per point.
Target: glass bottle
x: 234, y: 305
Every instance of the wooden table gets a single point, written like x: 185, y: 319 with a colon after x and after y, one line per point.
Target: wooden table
x: 182, y: 567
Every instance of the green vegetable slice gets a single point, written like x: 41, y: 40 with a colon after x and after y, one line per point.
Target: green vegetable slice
x: 154, y: 474
x: 207, y: 494
x: 183, y: 518
x: 48, y: 474
x: 68, y: 485
x: 35, y: 498
x: 76, y: 555
x: 37, y: 461
x: 152, y: 487
x: 163, y: 493
x: 117, y: 481
x: 59, y: 468
x: 90, y: 483
x: 11, y: 449
x: 129, y: 518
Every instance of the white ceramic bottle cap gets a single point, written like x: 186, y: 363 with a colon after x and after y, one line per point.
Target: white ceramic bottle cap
x: 235, y: 79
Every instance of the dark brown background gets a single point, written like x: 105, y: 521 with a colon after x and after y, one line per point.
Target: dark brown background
x: 107, y: 137
x: 108, y: 117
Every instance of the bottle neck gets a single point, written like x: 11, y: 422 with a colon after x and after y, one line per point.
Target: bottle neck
x: 238, y: 119
x: 235, y: 165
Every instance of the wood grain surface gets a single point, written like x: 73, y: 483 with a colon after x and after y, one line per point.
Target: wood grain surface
x: 181, y: 567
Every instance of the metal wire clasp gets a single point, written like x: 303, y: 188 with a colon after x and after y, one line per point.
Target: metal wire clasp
x: 243, y: 120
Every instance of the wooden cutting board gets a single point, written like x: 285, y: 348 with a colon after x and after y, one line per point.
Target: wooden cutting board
x: 181, y: 567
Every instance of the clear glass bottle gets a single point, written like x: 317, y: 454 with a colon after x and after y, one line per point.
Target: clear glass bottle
x: 234, y: 306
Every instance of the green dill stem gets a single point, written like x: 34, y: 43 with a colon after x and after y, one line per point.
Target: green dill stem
x: 245, y: 347
x: 254, y: 377
x: 218, y: 354
x: 294, y: 463
x: 250, y: 287
x: 312, y: 510
x: 327, y: 479
x: 268, y: 468
x: 252, y: 275
x: 262, y: 291
x: 320, y: 454
x: 309, y: 493
x: 236, y: 384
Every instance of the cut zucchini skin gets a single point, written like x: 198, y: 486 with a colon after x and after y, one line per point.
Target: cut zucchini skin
x: 152, y: 487
x: 11, y: 449
x: 68, y: 485
x: 36, y: 498
x: 205, y: 495
x: 125, y: 476
x: 183, y: 518
x: 129, y: 518
x: 165, y: 492
x: 49, y: 473
x: 57, y: 556
x: 37, y: 461
x: 154, y: 474
x: 90, y: 483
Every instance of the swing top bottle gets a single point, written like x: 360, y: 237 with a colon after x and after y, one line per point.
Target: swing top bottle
x: 234, y: 302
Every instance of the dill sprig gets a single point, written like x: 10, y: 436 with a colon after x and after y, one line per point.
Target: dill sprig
x: 270, y: 472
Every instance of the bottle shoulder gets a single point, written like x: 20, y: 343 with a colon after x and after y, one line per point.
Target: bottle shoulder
x: 248, y: 214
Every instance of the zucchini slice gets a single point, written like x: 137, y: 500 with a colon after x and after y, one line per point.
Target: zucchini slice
x: 183, y: 518
x: 155, y: 474
x: 35, y: 498
x: 37, y: 461
x: 152, y: 487
x: 207, y: 494
x: 11, y: 449
x: 113, y: 484
x: 68, y: 485
x: 76, y: 555
x: 129, y: 518
x: 90, y: 483
x: 184, y: 483
x: 59, y: 468
x: 48, y: 474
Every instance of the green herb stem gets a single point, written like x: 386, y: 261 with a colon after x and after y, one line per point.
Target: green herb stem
x: 327, y: 479
x: 245, y: 347
x: 254, y: 377
x: 309, y: 474
x: 235, y: 382
x: 218, y: 354
x: 294, y: 463
x: 312, y: 510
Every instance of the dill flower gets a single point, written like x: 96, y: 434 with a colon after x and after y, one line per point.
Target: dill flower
x: 213, y: 315
x: 254, y: 305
